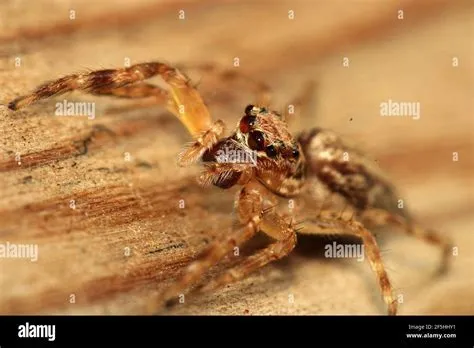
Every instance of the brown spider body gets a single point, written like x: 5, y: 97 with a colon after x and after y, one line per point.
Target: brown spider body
x: 279, y: 165
x: 346, y: 171
x: 282, y: 166
x: 262, y: 157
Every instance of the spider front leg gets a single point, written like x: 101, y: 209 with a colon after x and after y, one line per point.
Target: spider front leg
x: 378, y: 217
x: 183, y: 100
x: 249, y: 203
x: 273, y: 225
x: 331, y: 222
x: 100, y: 82
x: 193, y: 151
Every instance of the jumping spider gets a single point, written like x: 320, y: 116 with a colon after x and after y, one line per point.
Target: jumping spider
x: 285, y: 167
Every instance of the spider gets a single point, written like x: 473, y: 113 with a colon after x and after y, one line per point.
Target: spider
x: 284, y: 166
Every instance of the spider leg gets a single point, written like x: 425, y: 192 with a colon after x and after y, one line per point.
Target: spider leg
x: 136, y: 90
x: 228, y: 75
x: 331, y: 222
x: 377, y: 217
x: 183, y: 100
x: 249, y: 203
x: 94, y: 82
x: 219, y: 173
x: 194, y: 150
x: 277, y: 228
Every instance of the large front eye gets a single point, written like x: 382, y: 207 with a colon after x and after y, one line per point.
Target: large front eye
x: 256, y: 141
x: 295, y: 152
x: 246, y: 123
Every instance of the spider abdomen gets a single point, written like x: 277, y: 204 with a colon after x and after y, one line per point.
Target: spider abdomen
x: 346, y: 171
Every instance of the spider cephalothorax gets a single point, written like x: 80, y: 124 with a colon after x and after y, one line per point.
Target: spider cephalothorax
x: 262, y: 147
x: 263, y: 158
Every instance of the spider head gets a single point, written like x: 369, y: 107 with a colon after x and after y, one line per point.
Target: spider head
x: 266, y: 133
x: 261, y: 147
x: 280, y: 161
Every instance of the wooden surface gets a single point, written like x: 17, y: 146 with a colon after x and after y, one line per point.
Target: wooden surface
x: 127, y: 236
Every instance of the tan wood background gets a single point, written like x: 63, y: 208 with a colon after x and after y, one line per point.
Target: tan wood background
x: 133, y: 205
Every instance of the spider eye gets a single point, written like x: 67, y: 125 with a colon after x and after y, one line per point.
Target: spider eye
x: 296, y: 153
x: 249, y: 109
x: 256, y: 141
x: 246, y: 123
x: 271, y: 151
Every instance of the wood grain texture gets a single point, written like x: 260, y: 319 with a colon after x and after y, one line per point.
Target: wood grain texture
x: 133, y: 205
